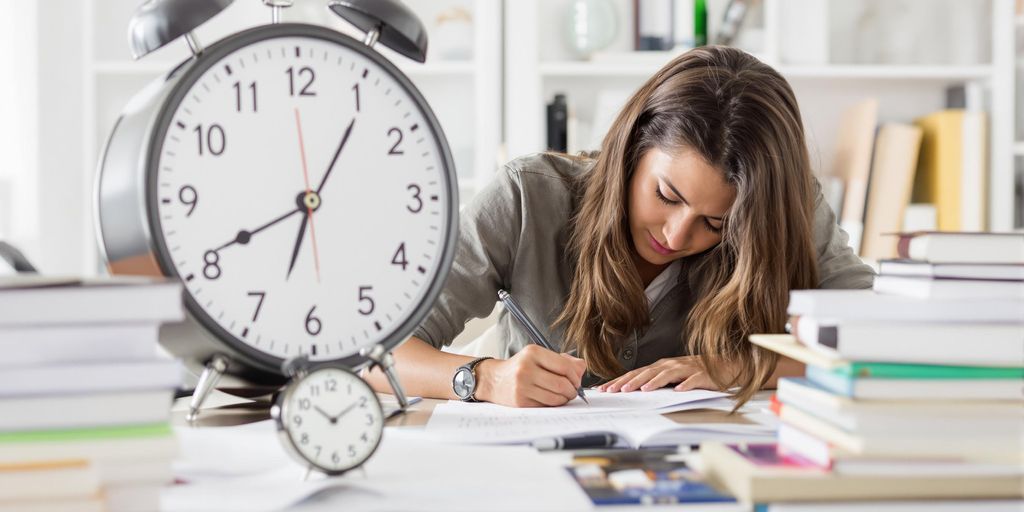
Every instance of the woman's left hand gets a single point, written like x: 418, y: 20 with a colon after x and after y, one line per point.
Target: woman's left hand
x: 684, y: 371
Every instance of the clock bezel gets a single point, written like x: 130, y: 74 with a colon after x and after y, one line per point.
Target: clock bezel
x: 282, y: 408
x: 212, y: 56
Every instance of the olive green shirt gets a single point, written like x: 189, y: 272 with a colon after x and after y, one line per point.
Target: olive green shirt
x: 514, y: 236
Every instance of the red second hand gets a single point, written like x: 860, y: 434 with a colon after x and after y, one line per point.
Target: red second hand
x: 309, y: 209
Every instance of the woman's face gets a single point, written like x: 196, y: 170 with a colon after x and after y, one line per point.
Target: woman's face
x: 676, y: 206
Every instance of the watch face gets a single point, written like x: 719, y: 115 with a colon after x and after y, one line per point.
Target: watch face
x: 464, y: 383
x: 332, y: 418
x: 302, y: 194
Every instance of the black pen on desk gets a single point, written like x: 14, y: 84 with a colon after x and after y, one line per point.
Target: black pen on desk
x: 538, y: 337
x: 575, y: 442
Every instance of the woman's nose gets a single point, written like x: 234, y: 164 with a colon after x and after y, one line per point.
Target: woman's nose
x: 677, y: 230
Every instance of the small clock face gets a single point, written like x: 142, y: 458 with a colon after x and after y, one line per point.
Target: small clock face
x: 333, y: 419
x: 303, y: 198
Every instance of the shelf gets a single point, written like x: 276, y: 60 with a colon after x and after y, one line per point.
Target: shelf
x: 854, y: 71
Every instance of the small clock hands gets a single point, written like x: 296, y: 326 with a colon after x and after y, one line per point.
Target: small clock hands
x: 244, y: 236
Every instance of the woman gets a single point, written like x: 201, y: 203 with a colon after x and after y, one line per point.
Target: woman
x: 652, y: 261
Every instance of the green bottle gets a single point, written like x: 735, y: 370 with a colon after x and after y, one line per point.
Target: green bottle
x: 700, y: 23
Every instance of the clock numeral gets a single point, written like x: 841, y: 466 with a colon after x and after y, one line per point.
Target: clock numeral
x: 363, y: 297
x: 394, y: 149
x: 313, y: 324
x: 216, y: 141
x: 356, y: 89
x: 331, y: 385
x: 305, y: 438
x: 189, y: 197
x: 318, y: 449
x: 369, y: 419
x: 362, y: 402
x: 261, y: 295
x: 305, y: 404
x: 399, y: 258
x: 238, y: 95
x: 211, y: 270
x: 305, y: 70
x: 297, y: 420
x: 352, y: 451
x: 366, y: 437
x: 415, y: 189
x: 335, y: 458
x: 314, y: 390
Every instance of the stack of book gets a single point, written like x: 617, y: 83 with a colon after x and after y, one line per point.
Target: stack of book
x: 85, y: 393
x: 913, y: 391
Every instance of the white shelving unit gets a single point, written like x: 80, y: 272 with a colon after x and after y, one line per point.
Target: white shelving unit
x: 464, y: 94
x: 542, y: 65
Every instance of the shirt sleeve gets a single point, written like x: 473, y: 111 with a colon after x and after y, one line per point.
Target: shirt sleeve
x: 838, y: 266
x: 489, y: 232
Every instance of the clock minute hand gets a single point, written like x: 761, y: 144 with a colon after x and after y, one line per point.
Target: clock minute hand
x: 344, y: 412
x: 341, y: 145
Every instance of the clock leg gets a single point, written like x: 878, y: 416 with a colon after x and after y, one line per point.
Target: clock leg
x: 382, y: 358
x: 216, y: 367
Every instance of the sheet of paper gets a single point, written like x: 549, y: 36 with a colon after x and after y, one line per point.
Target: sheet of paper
x: 245, y: 468
x: 661, y: 400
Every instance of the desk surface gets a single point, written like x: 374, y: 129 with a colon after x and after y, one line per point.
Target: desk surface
x: 225, y: 410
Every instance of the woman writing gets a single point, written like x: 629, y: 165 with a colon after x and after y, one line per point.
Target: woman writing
x: 651, y: 261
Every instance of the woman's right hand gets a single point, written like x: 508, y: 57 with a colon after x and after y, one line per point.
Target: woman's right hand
x: 534, y: 377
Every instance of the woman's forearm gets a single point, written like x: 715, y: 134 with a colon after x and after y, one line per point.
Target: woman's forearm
x: 785, y: 367
x: 422, y: 369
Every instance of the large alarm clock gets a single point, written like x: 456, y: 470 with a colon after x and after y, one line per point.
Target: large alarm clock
x: 293, y: 179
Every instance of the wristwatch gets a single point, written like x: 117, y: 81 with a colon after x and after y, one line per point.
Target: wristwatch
x: 464, y: 381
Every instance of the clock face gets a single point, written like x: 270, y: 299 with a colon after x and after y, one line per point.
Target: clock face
x: 333, y: 419
x: 303, y: 197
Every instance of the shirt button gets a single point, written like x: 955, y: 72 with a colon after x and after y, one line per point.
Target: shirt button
x: 627, y: 354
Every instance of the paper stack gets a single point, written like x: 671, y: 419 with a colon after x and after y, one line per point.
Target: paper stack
x: 85, y: 393
x: 907, y: 395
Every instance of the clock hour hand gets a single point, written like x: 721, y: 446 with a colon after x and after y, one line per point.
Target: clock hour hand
x: 341, y: 145
x: 324, y: 414
x: 298, y: 245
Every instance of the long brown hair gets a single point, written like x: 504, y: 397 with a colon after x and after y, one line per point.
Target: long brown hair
x: 742, y: 117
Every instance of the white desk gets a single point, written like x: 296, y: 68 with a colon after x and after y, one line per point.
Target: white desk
x: 405, y: 474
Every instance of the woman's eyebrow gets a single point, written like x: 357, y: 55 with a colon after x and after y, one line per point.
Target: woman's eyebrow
x: 683, y: 198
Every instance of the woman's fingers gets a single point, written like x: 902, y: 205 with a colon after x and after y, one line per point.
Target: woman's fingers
x: 666, y: 377
x: 698, y: 380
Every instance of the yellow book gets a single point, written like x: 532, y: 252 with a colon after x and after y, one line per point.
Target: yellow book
x: 940, y: 167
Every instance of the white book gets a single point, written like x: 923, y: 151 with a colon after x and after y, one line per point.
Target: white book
x: 76, y: 379
x: 951, y: 270
x: 98, y: 448
x: 142, y: 471
x: 25, y: 345
x: 80, y: 411
x: 132, y: 498
x: 915, y: 342
x: 36, y: 301
x: 962, y: 247
x: 81, y: 504
x: 66, y: 479
x: 865, y: 304
x: 927, y: 288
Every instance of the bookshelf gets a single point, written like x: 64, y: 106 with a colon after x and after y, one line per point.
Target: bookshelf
x: 465, y: 93
x: 543, y: 66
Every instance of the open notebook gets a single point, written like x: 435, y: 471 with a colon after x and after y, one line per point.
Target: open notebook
x: 635, y: 418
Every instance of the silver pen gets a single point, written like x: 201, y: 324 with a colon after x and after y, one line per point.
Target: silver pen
x: 538, y: 337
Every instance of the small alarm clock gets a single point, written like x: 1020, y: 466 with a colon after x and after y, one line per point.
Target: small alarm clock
x: 327, y: 417
x: 294, y: 181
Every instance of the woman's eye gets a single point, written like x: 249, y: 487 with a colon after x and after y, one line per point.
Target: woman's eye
x: 661, y: 197
x: 711, y: 228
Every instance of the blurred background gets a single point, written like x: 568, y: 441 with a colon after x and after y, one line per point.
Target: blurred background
x: 892, y: 92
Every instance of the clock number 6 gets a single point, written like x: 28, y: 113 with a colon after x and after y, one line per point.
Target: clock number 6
x: 363, y: 297
x: 313, y: 324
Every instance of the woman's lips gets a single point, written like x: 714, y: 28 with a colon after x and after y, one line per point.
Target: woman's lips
x: 660, y: 249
